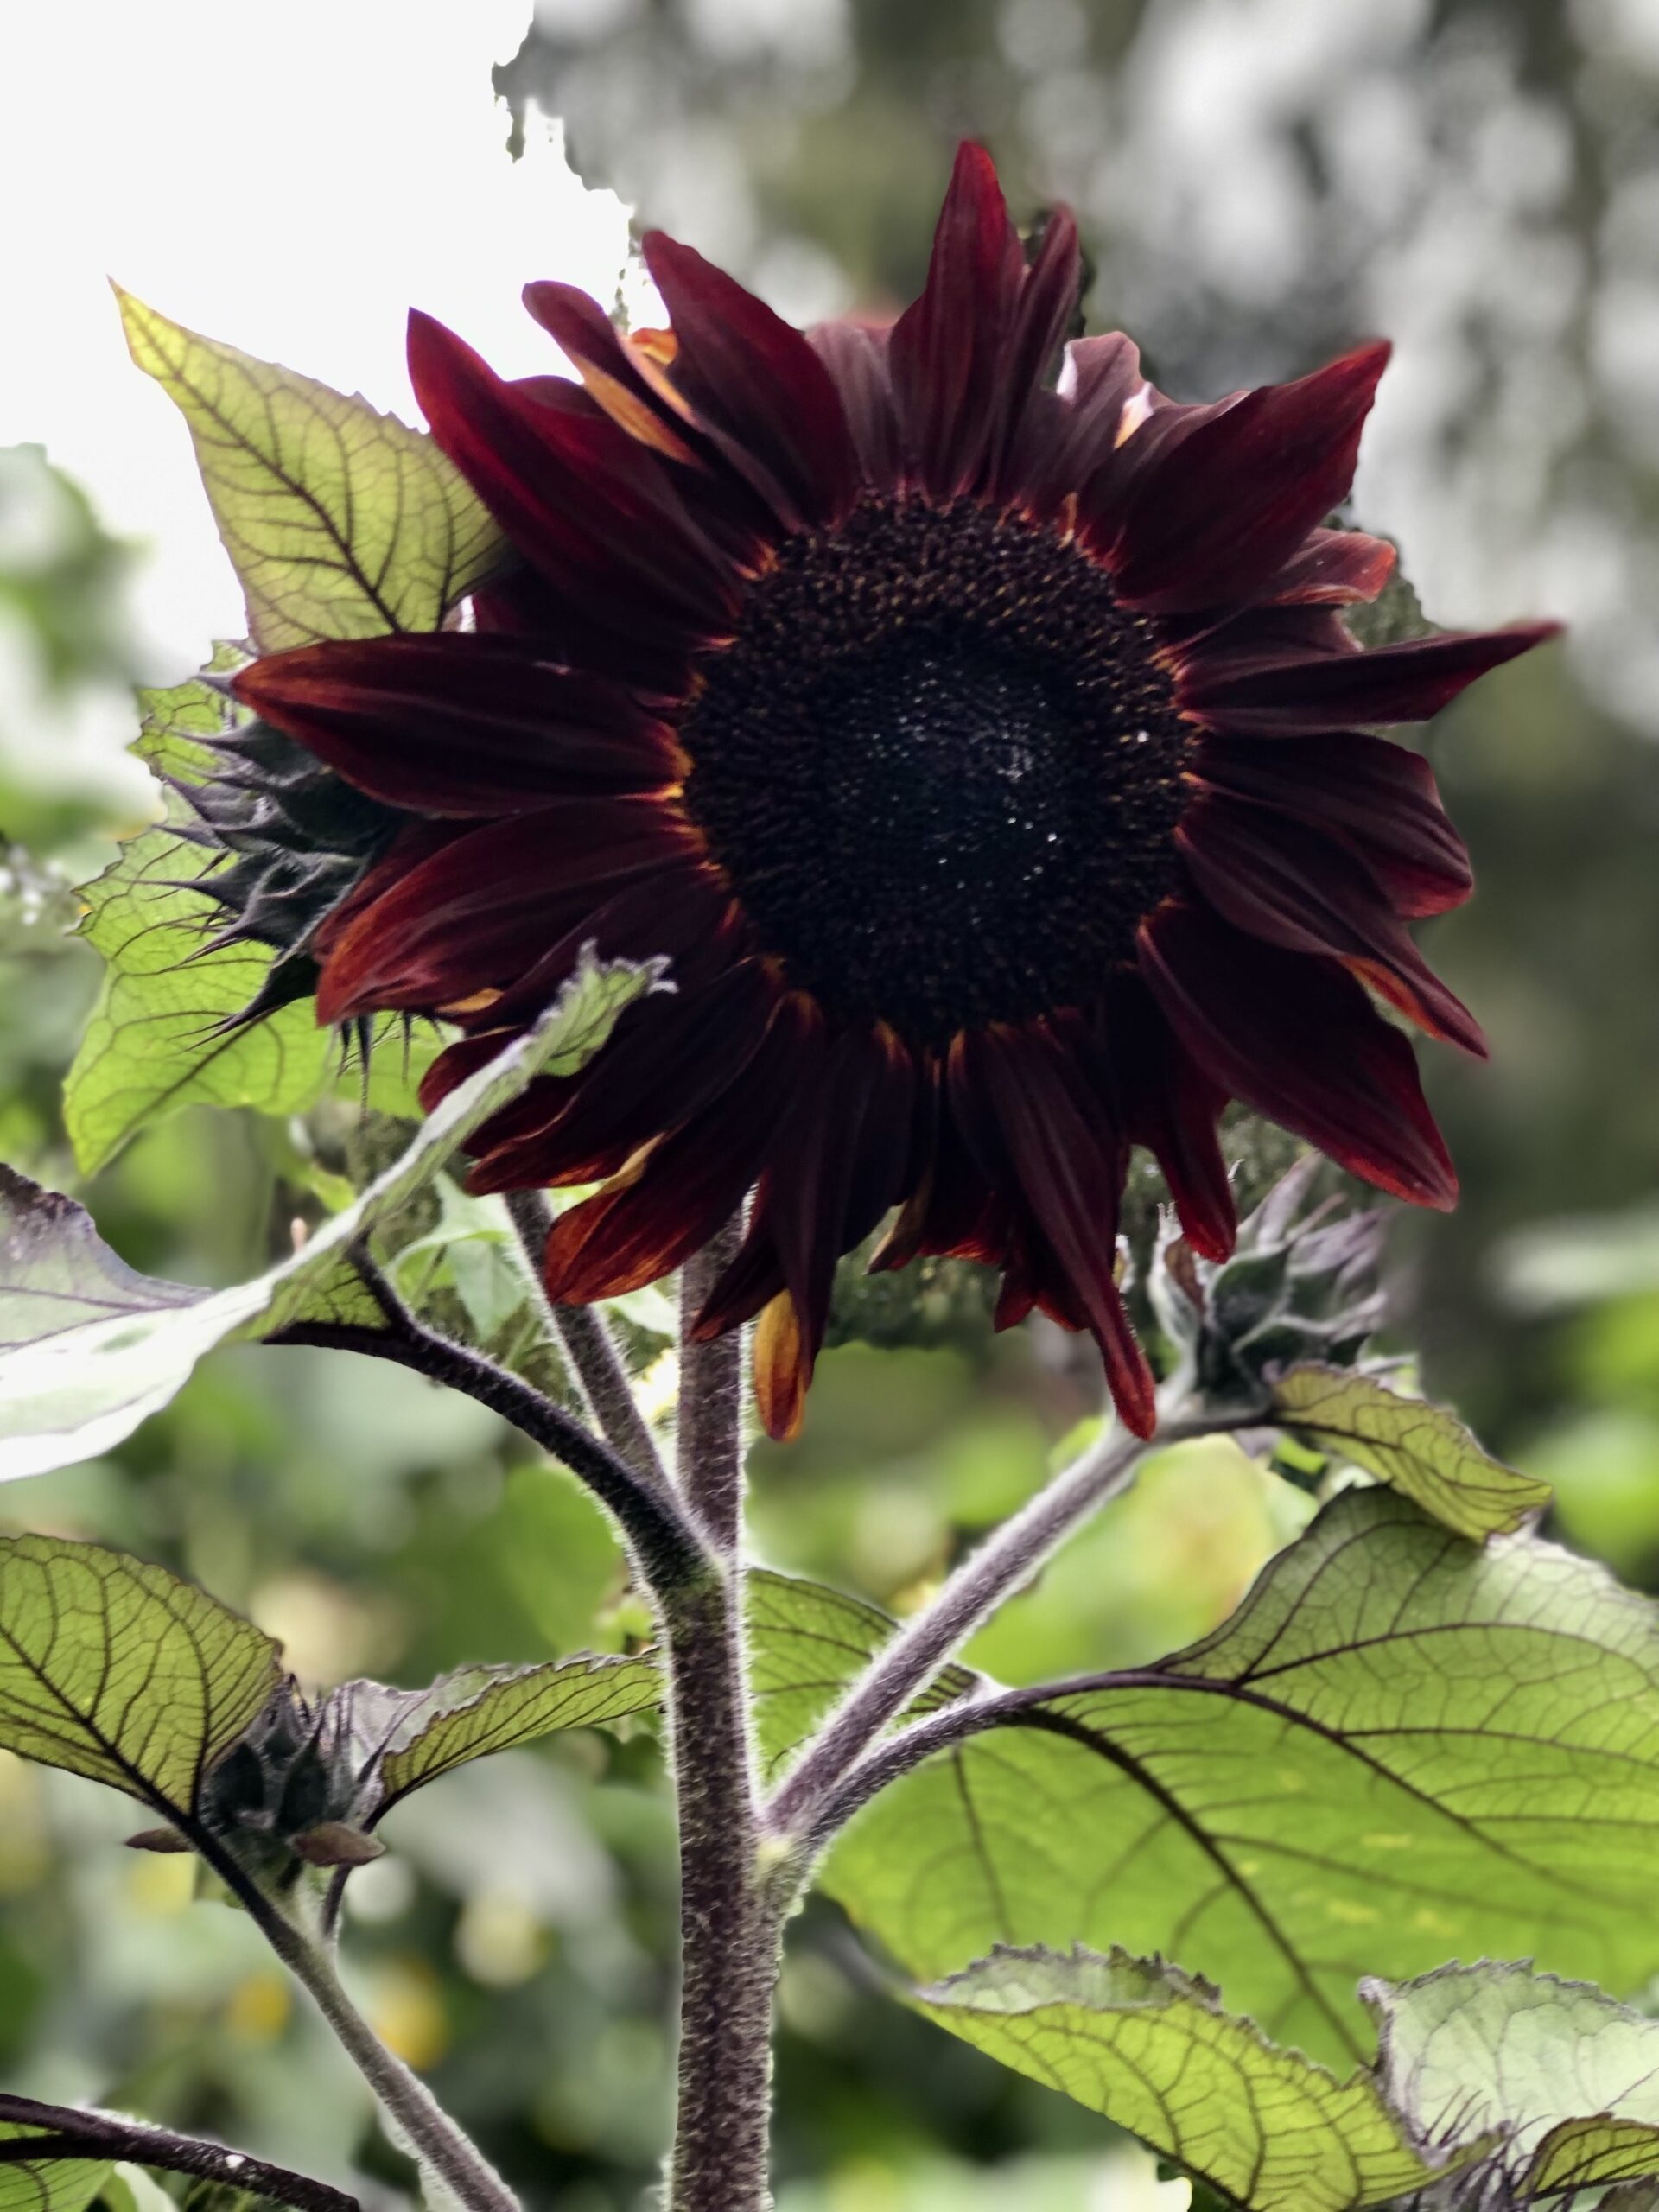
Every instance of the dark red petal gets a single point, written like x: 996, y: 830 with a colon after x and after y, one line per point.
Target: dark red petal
x: 730, y: 494
x: 1043, y: 314
x: 1166, y: 1103
x: 1332, y: 567
x: 1018, y: 1101
x: 583, y: 501
x: 1297, y: 1040
x: 1280, y: 880
x: 839, y: 1164
x: 459, y: 724
x: 671, y: 1055
x: 480, y: 911
x: 759, y: 378
x: 1377, y: 795
x: 679, y: 909
x: 1392, y: 683
x: 669, y: 1202
x: 1231, y: 501
x: 856, y: 357
x: 946, y: 351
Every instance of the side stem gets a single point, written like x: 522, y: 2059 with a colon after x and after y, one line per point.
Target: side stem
x: 429, y: 2133
x: 589, y: 1348
x: 905, y: 1666
x: 64, y: 2132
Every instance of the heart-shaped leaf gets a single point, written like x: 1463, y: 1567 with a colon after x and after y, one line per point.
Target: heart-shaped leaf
x: 117, y: 1670
x: 1152, y: 2049
x: 477, y: 1710
x: 1384, y: 1758
x: 70, y: 1391
x: 341, y: 522
x: 1422, y: 1451
x: 1566, y: 2078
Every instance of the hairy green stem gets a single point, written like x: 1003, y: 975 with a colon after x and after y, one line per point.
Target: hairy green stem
x: 428, y: 2132
x: 710, y: 1443
x: 904, y: 1668
x: 729, y: 1928
x: 589, y: 1347
x: 730, y: 1917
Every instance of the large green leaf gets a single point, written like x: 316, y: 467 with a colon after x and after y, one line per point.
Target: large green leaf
x: 1153, y: 2049
x: 341, y: 522
x: 116, y: 1671
x: 164, y: 1033
x: 1567, y: 2077
x: 1421, y: 1449
x: 1401, y: 1748
x: 68, y: 1391
x: 52, y: 2184
x: 477, y: 1710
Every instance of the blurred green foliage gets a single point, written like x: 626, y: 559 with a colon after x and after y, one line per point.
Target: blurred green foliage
x: 1258, y: 185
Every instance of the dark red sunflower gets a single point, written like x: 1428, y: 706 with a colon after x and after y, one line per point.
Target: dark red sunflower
x: 989, y: 753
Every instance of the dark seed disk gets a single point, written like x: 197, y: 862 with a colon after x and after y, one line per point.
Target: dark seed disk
x: 941, y: 766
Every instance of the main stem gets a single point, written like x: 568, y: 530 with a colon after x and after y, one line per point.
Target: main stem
x: 730, y: 1916
x: 907, y: 1665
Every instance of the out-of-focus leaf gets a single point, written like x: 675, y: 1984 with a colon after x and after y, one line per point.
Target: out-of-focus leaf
x: 1559, y: 1264
x: 1420, y: 1450
x: 341, y: 522
x: 69, y: 1392
x: 1401, y: 1748
x: 1152, y: 2048
x: 163, y: 1034
x: 479, y: 1710
x: 1568, y: 2079
x: 52, y: 2184
x: 116, y: 1671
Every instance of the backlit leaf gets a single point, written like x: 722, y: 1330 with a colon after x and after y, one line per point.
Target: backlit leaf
x: 1420, y: 1450
x: 67, y: 1392
x: 1569, y: 2078
x: 162, y: 1035
x: 477, y: 1710
x: 52, y: 2184
x: 341, y: 522
x: 1153, y: 2051
x: 1402, y: 1748
x: 116, y: 1671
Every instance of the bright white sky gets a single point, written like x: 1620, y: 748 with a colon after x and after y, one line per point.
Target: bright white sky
x: 290, y: 176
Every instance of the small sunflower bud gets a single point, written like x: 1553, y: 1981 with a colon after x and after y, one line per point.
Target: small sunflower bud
x: 1294, y: 1289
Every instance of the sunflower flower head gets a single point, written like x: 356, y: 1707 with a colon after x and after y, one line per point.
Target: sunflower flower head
x: 977, y: 730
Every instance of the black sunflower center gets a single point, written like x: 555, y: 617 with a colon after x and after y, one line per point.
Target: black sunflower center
x: 941, y: 766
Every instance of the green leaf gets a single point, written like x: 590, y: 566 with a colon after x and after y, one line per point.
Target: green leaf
x: 806, y: 1644
x: 71, y: 1390
x: 157, y: 1040
x: 1569, y: 2079
x: 118, y: 1671
x: 1401, y: 1748
x: 341, y: 522
x: 1421, y: 1449
x: 162, y: 1035
x: 45, y: 2184
x: 477, y: 1710
x: 1153, y: 2049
